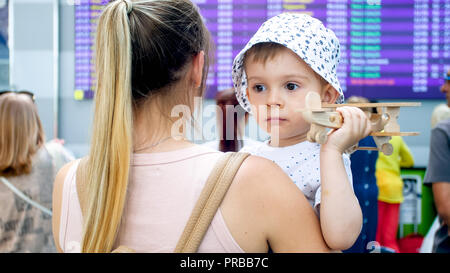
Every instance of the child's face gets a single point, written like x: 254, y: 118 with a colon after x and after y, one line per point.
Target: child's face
x: 281, y: 83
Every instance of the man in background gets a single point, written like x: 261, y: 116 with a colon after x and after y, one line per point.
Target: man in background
x: 438, y: 175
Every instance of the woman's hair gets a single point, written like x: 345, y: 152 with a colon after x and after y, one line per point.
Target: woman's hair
x: 143, y: 49
x: 21, y: 134
x: 440, y: 113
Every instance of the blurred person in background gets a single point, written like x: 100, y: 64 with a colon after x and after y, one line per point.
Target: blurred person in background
x: 365, y: 187
x: 440, y: 113
x: 231, y: 111
x: 438, y: 175
x: 28, y: 167
x: 390, y: 192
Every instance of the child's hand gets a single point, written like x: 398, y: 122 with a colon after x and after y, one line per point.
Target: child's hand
x: 57, y: 140
x: 355, y: 126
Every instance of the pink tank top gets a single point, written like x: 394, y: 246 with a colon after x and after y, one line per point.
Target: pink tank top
x: 162, y: 192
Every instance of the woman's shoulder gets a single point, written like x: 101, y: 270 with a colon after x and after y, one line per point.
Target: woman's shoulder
x: 63, y: 172
x: 262, y: 198
x: 258, y: 175
x: 58, y: 187
x: 254, y: 164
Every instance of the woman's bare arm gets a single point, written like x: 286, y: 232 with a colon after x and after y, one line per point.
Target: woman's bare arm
x: 263, y: 206
x: 57, y: 198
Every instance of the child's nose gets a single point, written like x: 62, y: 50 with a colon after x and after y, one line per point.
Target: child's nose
x: 275, y: 99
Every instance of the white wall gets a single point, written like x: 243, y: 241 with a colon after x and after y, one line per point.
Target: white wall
x: 33, y: 68
x: 31, y: 60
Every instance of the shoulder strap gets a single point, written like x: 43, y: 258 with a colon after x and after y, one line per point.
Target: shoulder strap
x: 24, y: 197
x: 210, y: 199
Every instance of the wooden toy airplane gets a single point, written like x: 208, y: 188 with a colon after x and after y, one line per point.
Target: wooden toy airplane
x: 384, y: 122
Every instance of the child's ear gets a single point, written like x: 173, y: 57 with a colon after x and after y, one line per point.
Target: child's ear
x: 329, y: 94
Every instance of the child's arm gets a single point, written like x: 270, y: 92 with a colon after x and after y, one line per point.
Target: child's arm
x: 340, y: 213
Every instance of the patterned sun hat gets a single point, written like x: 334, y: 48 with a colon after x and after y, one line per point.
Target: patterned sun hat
x: 304, y: 35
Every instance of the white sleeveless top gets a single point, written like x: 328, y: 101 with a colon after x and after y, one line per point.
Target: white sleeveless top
x: 162, y: 193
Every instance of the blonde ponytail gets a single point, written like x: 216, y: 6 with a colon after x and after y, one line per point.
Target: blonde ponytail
x: 154, y: 40
x: 111, y: 145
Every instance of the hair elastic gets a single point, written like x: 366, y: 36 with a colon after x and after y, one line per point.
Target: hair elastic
x: 129, y: 5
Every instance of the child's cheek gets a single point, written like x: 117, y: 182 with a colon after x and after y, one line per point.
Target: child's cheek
x: 300, y: 125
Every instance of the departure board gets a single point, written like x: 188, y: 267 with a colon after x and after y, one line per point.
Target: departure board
x: 86, y: 18
x: 397, y: 49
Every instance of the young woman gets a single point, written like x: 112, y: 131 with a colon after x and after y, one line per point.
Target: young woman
x: 28, y: 167
x: 143, y: 180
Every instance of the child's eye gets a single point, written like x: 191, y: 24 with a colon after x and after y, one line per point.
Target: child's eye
x: 259, y: 88
x: 291, y: 86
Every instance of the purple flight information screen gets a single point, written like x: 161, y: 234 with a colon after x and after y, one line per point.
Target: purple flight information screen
x: 396, y: 49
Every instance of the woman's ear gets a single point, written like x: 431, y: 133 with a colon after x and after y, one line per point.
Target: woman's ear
x: 197, y: 68
x: 329, y: 94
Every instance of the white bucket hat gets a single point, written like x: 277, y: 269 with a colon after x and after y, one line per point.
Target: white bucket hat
x: 304, y: 35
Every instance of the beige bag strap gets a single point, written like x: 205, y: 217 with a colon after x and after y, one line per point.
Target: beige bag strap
x: 209, y: 201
